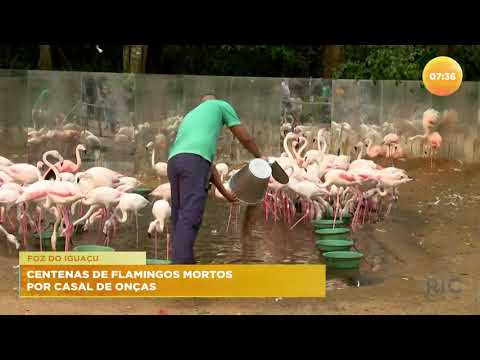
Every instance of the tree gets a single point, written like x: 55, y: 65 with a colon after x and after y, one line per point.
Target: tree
x: 45, y: 58
x: 333, y: 58
x: 135, y: 58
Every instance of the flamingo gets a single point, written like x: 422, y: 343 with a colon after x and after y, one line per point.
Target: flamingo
x: 130, y: 202
x: 102, y: 196
x: 161, y: 212
x: 222, y: 169
x: 70, y: 166
x: 23, y: 173
x: 101, y: 176
x: 162, y: 191
x: 317, y: 153
x: 130, y: 181
x: 10, y: 238
x: 160, y: 167
x: 7, y: 201
x: 435, y: 141
x: 389, y: 140
x: 374, y: 151
x: 4, y: 162
x: 359, y: 162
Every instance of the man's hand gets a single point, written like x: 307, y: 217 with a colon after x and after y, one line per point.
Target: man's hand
x: 231, y: 197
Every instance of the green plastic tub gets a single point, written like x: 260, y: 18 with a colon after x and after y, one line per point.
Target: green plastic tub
x: 343, y: 259
x: 328, y: 223
x: 334, y: 245
x: 46, y: 242
x: 339, y: 233
x: 347, y: 219
x: 142, y: 191
x: 158, y: 262
x: 93, y: 248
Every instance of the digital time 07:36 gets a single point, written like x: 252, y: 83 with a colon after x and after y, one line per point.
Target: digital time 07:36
x: 442, y: 76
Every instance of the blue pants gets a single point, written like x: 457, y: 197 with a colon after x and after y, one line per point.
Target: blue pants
x: 189, y: 176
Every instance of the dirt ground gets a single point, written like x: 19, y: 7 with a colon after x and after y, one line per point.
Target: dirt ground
x: 428, y: 252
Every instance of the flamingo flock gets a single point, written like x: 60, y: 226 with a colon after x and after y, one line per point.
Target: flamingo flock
x: 31, y: 198
x: 332, y: 185
x: 333, y: 173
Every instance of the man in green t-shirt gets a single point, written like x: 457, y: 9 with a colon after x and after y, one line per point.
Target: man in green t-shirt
x: 190, y: 169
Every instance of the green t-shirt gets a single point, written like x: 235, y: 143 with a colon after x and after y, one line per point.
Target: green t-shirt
x: 199, y: 130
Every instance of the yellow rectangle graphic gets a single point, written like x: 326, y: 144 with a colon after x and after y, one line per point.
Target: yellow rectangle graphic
x: 82, y: 258
x: 173, y: 281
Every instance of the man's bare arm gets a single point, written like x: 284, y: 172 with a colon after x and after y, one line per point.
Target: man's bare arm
x: 217, y: 181
x: 246, y: 140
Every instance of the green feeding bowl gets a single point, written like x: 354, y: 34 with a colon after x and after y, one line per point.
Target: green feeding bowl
x: 328, y: 223
x: 346, y: 219
x: 46, y: 242
x: 93, y: 248
x: 343, y: 259
x: 339, y: 233
x: 334, y: 245
x: 158, y: 262
x: 142, y: 191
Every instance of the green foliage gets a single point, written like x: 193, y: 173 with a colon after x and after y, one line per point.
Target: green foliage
x: 375, y: 62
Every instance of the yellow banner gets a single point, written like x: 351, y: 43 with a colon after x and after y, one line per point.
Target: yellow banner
x: 82, y: 258
x: 173, y: 281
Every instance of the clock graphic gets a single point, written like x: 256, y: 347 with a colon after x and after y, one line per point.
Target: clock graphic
x: 442, y: 76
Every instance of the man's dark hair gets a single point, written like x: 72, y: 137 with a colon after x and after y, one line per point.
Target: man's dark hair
x: 208, y: 95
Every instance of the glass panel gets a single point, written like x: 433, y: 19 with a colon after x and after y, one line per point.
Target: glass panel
x: 13, y: 115
x: 459, y: 131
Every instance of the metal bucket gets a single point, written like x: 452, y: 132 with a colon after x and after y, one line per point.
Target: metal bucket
x: 250, y: 183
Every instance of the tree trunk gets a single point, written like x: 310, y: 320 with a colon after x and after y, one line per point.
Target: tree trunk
x: 135, y: 58
x: 332, y: 59
x: 45, y: 58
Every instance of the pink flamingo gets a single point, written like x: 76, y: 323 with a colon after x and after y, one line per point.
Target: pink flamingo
x: 70, y: 166
x: 162, y: 191
x: 102, y: 197
x: 24, y: 173
x: 128, y: 202
x: 435, y: 141
x: 10, y: 237
x: 61, y: 194
x: 391, y: 139
x: 161, y: 211
x: 374, y: 151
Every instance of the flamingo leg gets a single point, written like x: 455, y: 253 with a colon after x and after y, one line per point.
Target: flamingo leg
x: 337, y: 204
x: 303, y: 217
x: 168, y: 244
x: 40, y: 229
x: 155, y: 243
x: 136, y: 227
x: 229, y: 218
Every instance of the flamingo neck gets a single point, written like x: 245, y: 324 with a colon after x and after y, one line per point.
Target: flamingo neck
x: 302, y: 148
x: 369, y: 146
x: 123, y: 219
x: 153, y: 157
x: 50, y: 166
x: 319, y: 135
x: 360, y: 154
x: 289, y: 153
x: 79, y: 159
